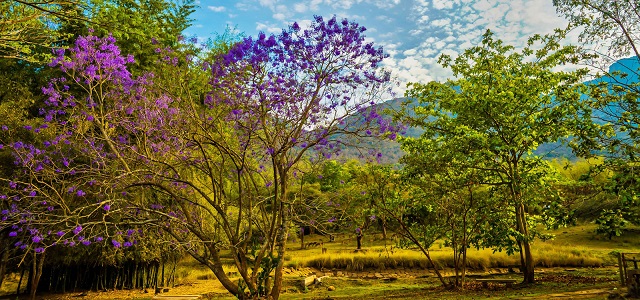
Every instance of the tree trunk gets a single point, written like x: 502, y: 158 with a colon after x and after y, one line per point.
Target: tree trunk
x: 359, y: 240
x: 281, y: 244
x: 36, y: 273
x: 526, y: 257
x: 4, y: 257
x: 20, y: 281
x: 384, y: 228
x: 215, y: 264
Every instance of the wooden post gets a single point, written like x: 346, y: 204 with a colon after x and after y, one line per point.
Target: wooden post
x: 621, y: 268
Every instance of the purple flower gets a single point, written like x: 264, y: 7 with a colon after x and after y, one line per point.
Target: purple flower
x: 5, y: 128
x: 127, y: 244
x: 13, y: 185
x: 358, y: 230
x: 77, y: 230
x: 115, y: 243
x: 98, y: 239
x: 107, y: 207
x: 36, y: 239
x: 13, y: 233
x: 80, y: 193
x: 33, y: 194
x: 372, y: 217
x: 333, y: 219
x: 60, y: 233
x: 86, y: 242
x: 39, y: 250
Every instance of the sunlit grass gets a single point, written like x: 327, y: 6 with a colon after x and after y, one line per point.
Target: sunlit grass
x: 576, y: 246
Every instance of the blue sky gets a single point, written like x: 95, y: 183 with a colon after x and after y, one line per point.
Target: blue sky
x: 413, y: 32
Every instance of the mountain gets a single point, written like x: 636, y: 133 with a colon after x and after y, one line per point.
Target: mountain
x: 391, y: 151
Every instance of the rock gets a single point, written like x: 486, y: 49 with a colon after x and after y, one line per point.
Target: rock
x: 319, y: 279
x: 390, y: 279
x: 308, y: 280
x: 331, y: 288
x: 378, y: 275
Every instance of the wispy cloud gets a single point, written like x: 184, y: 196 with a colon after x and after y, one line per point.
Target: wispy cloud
x: 216, y: 8
x: 414, y: 32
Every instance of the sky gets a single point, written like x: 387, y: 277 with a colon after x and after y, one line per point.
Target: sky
x: 413, y: 32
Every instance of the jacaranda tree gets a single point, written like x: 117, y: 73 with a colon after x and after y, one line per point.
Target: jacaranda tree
x: 119, y: 153
x: 305, y: 89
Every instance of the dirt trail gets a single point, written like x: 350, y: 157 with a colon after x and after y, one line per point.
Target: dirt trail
x: 584, y: 294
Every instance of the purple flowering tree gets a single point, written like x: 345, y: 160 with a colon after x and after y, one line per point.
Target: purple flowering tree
x: 208, y: 160
x: 72, y: 183
x: 305, y: 90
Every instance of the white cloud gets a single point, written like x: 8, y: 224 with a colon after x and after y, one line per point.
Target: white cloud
x: 267, y: 3
x: 300, y: 7
x: 443, y: 4
x: 279, y: 16
x: 268, y: 27
x: 414, y: 32
x: 216, y: 8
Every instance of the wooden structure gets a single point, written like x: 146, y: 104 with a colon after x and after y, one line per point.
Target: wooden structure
x: 629, y: 272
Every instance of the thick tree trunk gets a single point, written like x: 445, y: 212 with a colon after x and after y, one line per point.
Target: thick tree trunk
x: 359, y: 240
x: 280, y: 246
x: 216, y: 266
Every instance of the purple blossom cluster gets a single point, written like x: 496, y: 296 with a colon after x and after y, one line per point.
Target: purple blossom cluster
x: 301, y: 88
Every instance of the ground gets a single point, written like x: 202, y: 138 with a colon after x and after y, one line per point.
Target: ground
x: 577, y: 264
x: 553, y: 283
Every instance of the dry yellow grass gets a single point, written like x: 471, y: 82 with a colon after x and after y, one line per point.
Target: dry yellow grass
x: 546, y: 254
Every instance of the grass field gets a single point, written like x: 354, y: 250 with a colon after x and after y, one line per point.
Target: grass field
x: 576, y: 264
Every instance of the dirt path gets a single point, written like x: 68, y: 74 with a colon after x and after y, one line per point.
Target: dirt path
x: 584, y: 294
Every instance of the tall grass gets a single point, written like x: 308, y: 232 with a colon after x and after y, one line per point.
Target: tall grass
x: 545, y: 256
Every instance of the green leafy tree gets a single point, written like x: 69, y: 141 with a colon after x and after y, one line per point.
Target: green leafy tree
x: 463, y: 212
x: 502, y: 105
x: 613, y: 96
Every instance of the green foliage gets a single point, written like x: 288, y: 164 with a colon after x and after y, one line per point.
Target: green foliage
x: 28, y: 28
x: 484, y: 125
x: 614, y: 99
x: 611, y: 223
x: 141, y: 27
